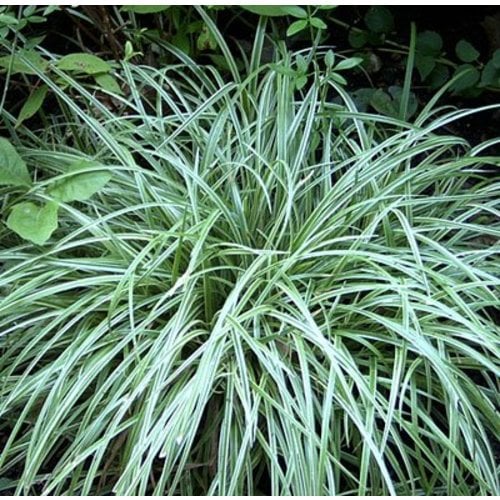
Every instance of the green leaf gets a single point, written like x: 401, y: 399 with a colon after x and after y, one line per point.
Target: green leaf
x: 382, y: 102
x: 379, y: 19
x: 301, y: 62
x: 8, y: 20
x: 276, y: 10
x: 83, y: 63
x: 20, y: 66
x: 429, y: 43
x: 329, y: 59
x: 32, y: 104
x: 362, y: 97
x: 490, y: 76
x: 145, y: 9
x: 296, y: 27
x: 300, y: 82
x: 439, y: 76
x: 348, y: 63
x: 336, y: 77
x: 108, y: 83
x: 389, y: 103
x: 425, y: 64
x: 33, y: 222
x: 467, y: 80
x: 357, y: 39
x: 13, y: 170
x: 181, y: 41
x: 317, y: 23
x: 466, y: 52
x: 206, y: 40
x: 85, y: 179
x: 283, y: 70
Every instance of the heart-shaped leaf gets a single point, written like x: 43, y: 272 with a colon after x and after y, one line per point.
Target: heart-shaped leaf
x: 84, y: 179
x: 33, y: 222
x: 13, y: 170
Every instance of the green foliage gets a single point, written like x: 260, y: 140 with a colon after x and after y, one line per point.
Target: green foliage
x: 83, y: 63
x: 84, y: 179
x: 276, y: 10
x: 275, y: 294
x: 33, y: 222
x: 37, y: 223
x: 466, y: 52
x: 33, y: 104
x: 379, y: 19
x: 273, y: 286
x: 28, y: 62
x: 13, y: 169
x: 389, y: 103
x: 469, y: 78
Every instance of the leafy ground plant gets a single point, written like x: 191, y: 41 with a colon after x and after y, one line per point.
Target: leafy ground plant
x: 273, y: 294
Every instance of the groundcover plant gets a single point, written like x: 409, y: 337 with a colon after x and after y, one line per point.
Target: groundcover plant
x: 270, y: 294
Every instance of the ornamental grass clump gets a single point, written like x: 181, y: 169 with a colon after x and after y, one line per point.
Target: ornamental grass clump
x: 272, y: 294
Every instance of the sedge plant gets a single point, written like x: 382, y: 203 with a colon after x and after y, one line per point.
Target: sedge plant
x: 273, y: 294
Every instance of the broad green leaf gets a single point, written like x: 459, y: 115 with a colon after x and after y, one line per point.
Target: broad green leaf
x: 13, y: 170
x: 20, y: 66
x: 467, y: 80
x: 357, y: 39
x: 429, y: 43
x: 108, y: 83
x: 145, y: 9
x: 425, y: 64
x: 379, y: 19
x: 389, y: 103
x: 83, y: 63
x: 296, y: 27
x: 349, y: 63
x: 85, y: 178
x: 383, y: 103
x: 32, y: 104
x: 490, y: 76
x: 181, y: 41
x: 439, y: 76
x: 466, y: 52
x: 362, y: 97
x: 276, y: 10
x: 317, y: 23
x: 33, y: 222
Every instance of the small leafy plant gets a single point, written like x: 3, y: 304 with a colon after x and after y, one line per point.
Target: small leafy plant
x: 35, y: 222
